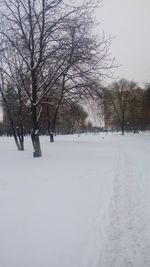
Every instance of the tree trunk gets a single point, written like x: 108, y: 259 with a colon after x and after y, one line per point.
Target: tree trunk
x: 20, y: 135
x: 20, y: 145
x: 122, y: 128
x: 35, y: 133
x: 52, y: 126
x: 20, y: 129
x: 35, y: 125
x: 51, y: 134
x: 36, y: 144
x: 123, y: 124
x: 16, y: 141
x: 51, y: 130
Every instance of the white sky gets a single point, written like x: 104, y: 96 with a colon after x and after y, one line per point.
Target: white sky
x: 129, y: 22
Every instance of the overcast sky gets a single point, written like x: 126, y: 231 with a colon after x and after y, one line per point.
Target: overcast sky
x: 129, y: 22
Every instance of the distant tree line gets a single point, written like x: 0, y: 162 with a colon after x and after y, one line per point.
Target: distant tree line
x: 72, y: 118
x: 126, y: 106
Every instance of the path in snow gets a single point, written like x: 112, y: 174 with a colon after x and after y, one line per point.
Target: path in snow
x: 86, y: 203
x: 50, y: 207
x: 128, y: 233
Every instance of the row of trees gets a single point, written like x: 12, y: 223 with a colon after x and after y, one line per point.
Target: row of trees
x: 50, y: 60
x: 72, y: 118
x: 126, y: 106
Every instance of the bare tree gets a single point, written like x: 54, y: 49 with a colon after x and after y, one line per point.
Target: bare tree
x: 35, y: 33
x: 116, y: 100
x: 73, y: 119
x: 135, y: 112
x: 16, y: 122
x: 86, y: 66
x: 146, y: 108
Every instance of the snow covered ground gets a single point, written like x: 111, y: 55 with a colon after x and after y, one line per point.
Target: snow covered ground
x: 85, y: 203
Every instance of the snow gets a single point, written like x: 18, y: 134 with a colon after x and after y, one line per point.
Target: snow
x: 85, y: 203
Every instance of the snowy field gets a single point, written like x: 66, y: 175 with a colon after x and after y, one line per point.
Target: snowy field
x: 85, y: 203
